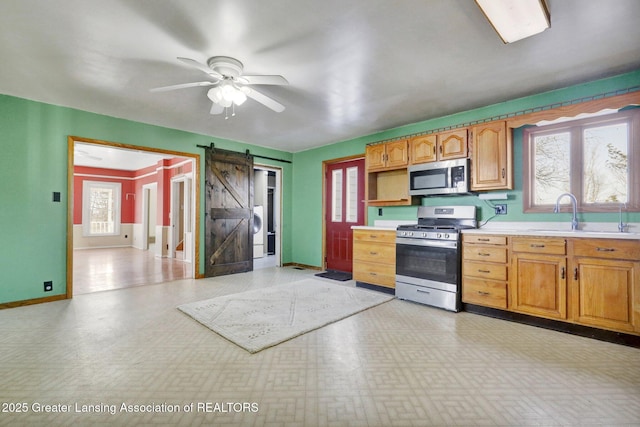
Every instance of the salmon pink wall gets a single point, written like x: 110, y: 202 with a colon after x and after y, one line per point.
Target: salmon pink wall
x: 127, y: 202
x: 132, y: 182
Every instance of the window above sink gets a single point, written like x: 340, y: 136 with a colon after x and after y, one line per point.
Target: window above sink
x: 592, y: 158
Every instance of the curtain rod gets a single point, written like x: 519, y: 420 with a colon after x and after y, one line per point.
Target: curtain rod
x: 213, y: 147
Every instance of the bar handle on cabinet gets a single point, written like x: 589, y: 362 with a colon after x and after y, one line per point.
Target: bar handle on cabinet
x: 562, y: 273
x: 533, y: 245
x: 483, y: 293
x: 484, y: 271
x: 483, y: 254
x: 575, y: 273
x: 605, y: 249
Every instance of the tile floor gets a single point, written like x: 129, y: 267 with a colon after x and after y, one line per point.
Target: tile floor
x: 397, y: 364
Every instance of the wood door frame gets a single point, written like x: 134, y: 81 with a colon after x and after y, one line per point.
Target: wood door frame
x: 146, y: 190
x: 325, y: 165
x: 71, y: 140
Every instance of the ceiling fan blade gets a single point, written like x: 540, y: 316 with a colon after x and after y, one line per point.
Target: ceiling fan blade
x: 216, y: 108
x: 182, y: 86
x: 265, y: 100
x: 263, y: 80
x: 202, y: 67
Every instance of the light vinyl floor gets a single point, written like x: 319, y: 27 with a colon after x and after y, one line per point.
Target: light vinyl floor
x: 397, y: 364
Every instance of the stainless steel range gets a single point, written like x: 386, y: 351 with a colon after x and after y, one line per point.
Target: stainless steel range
x: 428, y: 256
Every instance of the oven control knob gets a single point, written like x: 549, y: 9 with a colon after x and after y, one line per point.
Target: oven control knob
x: 439, y: 235
x: 446, y: 236
x: 424, y: 234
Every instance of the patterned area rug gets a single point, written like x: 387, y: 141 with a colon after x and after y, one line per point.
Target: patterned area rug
x: 262, y: 318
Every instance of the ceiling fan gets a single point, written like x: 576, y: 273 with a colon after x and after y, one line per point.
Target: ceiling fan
x: 230, y: 86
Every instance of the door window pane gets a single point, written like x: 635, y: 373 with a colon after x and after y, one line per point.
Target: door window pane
x: 551, y: 166
x: 336, y: 196
x: 605, y: 171
x: 352, y: 194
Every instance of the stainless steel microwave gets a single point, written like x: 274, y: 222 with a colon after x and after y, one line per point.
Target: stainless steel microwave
x: 439, y: 178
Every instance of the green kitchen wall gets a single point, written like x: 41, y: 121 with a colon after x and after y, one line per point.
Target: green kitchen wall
x: 307, y: 192
x: 33, y: 165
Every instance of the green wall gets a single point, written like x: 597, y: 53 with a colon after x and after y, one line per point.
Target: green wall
x: 307, y: 191
x: 33, y: 164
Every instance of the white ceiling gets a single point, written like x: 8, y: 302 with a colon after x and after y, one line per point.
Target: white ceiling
x: 355, y: 67
x: 101, y: 156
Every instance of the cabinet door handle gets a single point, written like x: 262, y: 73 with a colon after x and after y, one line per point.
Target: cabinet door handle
x: 533, y: 245
x: 562, y: 273
x: 373, y: 236
x: 372, y: 274
x: 504, y: 172
x: 483, y: 254
x: 373, y: 253
x: 483, y: 293
x: 434, y: 149
x: 484, y: 240
x: 484, y: 271
x: 424, y: 292
x: 605, y: 249
x: 575, y: 273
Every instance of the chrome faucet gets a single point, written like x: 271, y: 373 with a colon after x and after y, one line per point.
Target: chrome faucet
x: 622, y: 226
x: 574, y: 204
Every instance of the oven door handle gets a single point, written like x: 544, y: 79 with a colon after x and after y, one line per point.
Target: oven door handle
x: 428, y: 243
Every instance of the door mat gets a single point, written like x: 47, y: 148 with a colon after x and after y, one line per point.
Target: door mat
x: 341, y: 276
x: 262, y: 318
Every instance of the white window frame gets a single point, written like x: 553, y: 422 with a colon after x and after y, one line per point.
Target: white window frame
x: 86, y: 191
x: 631, y: 117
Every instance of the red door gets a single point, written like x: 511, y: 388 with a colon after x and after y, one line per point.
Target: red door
x: 345, y: 206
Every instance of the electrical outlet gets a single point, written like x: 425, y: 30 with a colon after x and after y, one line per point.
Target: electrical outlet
x: 48, y: 286
x: 501, y: 209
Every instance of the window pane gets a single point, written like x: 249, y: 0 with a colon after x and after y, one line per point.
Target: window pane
x: 551, y: 167
x: 101, y: 210
x: 352, y: 194
x: 605, y: 173
x: 336, y: 197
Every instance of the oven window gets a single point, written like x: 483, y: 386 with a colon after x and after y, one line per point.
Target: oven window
x: 436, y: 178
x: 430, y: 263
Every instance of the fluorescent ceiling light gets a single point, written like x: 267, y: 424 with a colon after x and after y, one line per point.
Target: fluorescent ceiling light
x: 514, y: 20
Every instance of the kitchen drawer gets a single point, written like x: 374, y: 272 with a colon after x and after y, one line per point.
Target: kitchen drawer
x: 539, y: 245
x: 384, y: 253
x: 484, y: 292
x: 375, y: 236
x: 484, y: 253
x: 375, y: 273
x: 484, y: 238
x: 484, y: 270
x: 607, y: 248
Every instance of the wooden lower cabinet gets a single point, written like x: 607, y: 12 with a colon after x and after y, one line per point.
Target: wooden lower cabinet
x: 590, y: 282
x: 605, y: 287
x: 374, y: 257
x: 539, y: 285
x: 484, y: 270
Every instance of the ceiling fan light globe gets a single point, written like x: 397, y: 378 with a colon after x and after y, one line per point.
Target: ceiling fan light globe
x: 226, y: 103
x: 214, y: 94
x: 239, y: 97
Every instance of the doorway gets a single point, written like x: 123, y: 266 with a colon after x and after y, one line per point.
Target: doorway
x: 140, y: 251
x: 268, y: 213
x: 344, y: 207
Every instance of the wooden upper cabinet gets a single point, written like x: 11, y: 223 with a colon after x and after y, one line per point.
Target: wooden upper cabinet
x: 441, y: 146
x: 390, y: 155
x: 452, y: 144
x: 375, y: 156
x: 423, y: 149
x: 492, y: 157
